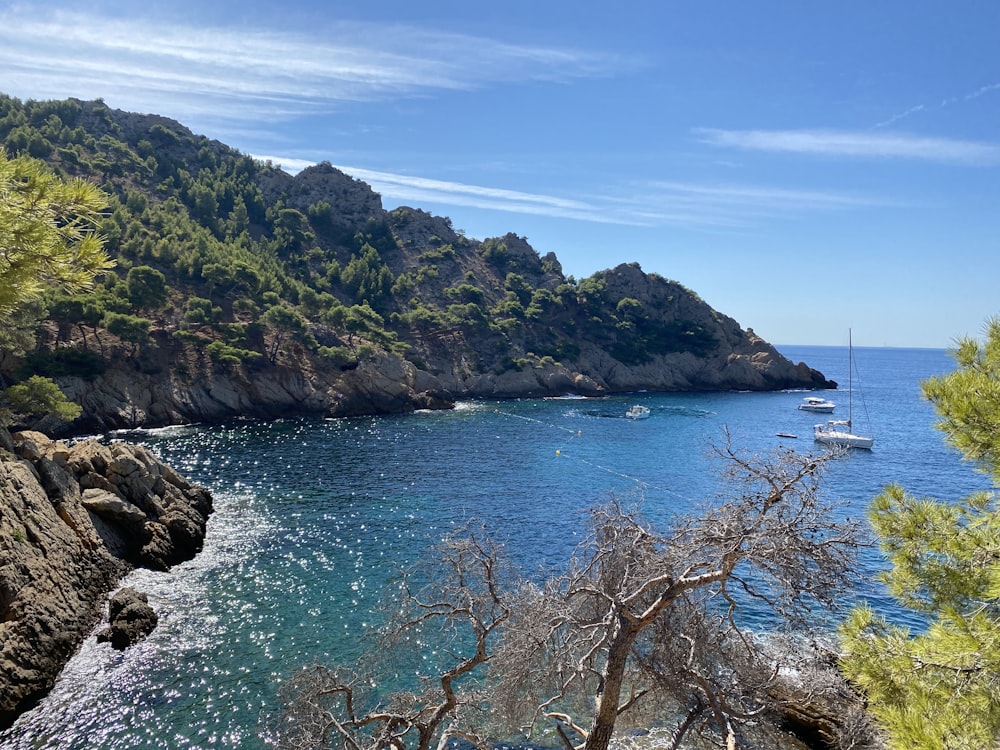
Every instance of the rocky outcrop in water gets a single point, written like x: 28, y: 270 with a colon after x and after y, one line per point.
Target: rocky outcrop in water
x: 73, y: 521
x: 130, y: 619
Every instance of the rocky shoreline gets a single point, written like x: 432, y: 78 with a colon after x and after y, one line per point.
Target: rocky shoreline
x: 74, y: 519
x: 162, y: 392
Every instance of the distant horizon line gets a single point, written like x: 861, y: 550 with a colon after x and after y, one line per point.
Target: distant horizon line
x: 866, y: 346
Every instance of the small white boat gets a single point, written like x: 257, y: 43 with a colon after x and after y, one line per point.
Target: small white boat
x: 637, y: 412
x: 815, y: 403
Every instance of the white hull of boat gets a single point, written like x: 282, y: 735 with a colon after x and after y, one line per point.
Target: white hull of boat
x: 637, y: 412
x: 836, y: 431
x: 831, y: 436
x: 817, y: 405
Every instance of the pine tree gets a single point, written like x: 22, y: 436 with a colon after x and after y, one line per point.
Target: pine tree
x: 939, y: 688
x: 47, y: 235
x: 48, y: 239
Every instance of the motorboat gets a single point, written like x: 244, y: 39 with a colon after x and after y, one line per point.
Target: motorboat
x: 815, y: 403
x: 637, y: 412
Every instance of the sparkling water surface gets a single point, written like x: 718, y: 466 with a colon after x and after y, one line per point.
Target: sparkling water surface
x: 312, y: 516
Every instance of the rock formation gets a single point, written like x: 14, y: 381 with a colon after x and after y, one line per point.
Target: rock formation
x: 383, y: 383
x: 298, y: 384
x: 73, y: 521
x: 130, y: 619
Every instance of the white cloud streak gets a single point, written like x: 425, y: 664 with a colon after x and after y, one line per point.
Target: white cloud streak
x: 856, y: 145
x: 237, y: 73
x: 691, y: 206
x: 901, y: 116
x: 981, y: 91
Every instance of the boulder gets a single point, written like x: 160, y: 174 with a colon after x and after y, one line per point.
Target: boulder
x: 130, y: 619
x: 112, y: 507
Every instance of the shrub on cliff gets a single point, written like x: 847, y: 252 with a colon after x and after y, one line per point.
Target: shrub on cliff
x: 36, y: 397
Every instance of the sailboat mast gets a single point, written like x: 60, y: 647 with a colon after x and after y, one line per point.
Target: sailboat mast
x: 850, y: 379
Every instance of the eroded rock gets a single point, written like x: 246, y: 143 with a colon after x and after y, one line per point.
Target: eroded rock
x: 73, y: 521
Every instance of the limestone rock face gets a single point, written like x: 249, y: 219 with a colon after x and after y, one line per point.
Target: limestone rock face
x: 738, y: 359
x: 73, y: 521
x: 351, y: 201
x: 457, y: 365
x: 297, y: 384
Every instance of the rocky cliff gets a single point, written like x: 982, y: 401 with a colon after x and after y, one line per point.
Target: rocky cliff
x: 242, y: 290
x: 126, y: 396
x: 735, y: 360
x: 73, y: 520
x: 174, y: 382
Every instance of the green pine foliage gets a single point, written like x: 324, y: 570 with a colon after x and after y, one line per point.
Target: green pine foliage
x: 48, y: 240
x: 47, y: 235
x: 36, y: 397
x: 939, y: 688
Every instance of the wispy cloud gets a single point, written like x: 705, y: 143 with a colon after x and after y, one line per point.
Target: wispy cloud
x: 463, y: 194
x: 691, y: 206
x: 729, y: 207
x: 240, y: 72
x: 981, y: 91
x: 400, y: 188
x: 856, y: 144
x: 901, y: 116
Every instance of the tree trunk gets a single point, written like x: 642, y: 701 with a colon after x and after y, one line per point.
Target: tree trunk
x: 83, y: 334
x: 606, y: 711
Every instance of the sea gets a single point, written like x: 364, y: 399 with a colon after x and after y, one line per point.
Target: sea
x: 312, y: 516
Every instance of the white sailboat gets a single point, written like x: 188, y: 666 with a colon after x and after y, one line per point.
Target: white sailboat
x: 838, y: 431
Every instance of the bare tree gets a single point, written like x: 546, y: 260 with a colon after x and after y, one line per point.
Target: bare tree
x: 643, y: 620
x: 452, y: 606
x: 646, y: 617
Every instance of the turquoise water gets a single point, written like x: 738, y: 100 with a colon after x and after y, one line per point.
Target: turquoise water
x: 312, y: 514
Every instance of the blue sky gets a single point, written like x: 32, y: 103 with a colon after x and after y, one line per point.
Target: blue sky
x: 805, y: 168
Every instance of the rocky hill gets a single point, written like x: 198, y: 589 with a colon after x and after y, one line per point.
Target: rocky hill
x: 73, y: 521
x: 243, y: 290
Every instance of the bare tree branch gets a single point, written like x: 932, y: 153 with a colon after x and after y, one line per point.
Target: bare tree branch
x: 642, y: 617
x: 633, y: 594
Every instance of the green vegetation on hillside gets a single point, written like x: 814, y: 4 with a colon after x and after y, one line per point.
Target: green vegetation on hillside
x: 221, y: 252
